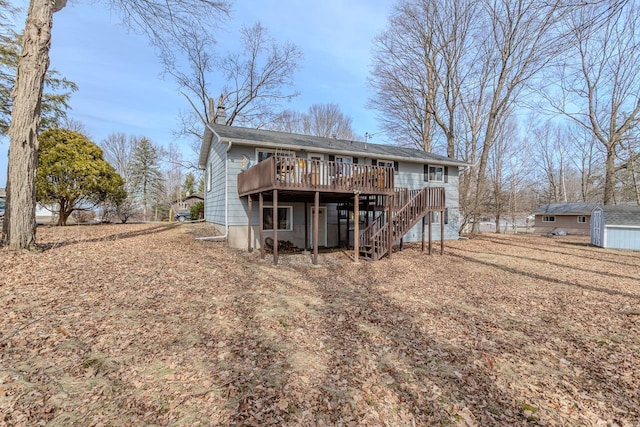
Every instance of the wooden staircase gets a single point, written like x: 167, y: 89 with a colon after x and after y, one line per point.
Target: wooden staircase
x: 408, y: 207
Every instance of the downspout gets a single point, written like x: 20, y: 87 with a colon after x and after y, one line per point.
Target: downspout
x: 226, y: 196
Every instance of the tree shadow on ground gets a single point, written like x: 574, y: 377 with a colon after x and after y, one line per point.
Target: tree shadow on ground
x: 588, y: 248
x: 542, y: 277
x: 547, y: 262
x: 110, y: 237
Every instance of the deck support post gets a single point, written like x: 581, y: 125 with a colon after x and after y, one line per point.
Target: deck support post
x: 276, y: 224
x: 423, y: 221
x: 348, y: 227
x: 356, y: 226
x: 306, y: 226
x: 441, y: 232
x: 261, y: 223
x: 249, y: 220
x: 316, y: 219
x: 390, y: 224
x: 429, y: 222
x: 339, y: 239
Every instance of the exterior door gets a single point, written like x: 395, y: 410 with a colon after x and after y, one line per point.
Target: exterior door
x: 318, y: 170
x: 322, y: 226
x: 596, y: 224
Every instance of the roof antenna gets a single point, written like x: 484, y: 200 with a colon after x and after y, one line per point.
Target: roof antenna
x: 367, y: 137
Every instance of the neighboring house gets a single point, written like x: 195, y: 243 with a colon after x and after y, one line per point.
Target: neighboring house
x: 351, y: 185
x: 572, y: 218
x: 46, y: 214
x: 186, y: 203
x: 616, y: 227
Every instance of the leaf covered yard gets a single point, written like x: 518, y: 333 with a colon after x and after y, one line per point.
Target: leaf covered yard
x: 142, y: 325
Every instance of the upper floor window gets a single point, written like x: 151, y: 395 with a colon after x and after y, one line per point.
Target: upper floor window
x: 436, y: 174
x: 386, y: 164
x: 264, y: 153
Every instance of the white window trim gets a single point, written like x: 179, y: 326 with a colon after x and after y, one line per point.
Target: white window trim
x: 343, y: 158
x: 435, y: 217
x: 385, y: 163
x: 290, y: 208
x: 429, y: 173
x: 287, y: 153
x: 545, y: 218
x: 209, y: 176
x: 581, y: 216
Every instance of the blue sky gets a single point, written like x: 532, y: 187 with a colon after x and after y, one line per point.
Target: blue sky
x: 121, y: 88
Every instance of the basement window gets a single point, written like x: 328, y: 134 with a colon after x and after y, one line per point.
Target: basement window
x: 285, y: 218
x: 548, y: 218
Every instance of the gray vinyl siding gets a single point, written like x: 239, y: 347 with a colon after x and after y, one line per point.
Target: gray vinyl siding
x: 411, y: 175
x: 238, y: 207
x: 215, y: 198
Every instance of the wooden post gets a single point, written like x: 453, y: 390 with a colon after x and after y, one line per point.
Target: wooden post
x: 316, y: 219
x: 261, y: 223
x: 356, y: 226
x: 429, y: 222
x: 348, y: 228
x: 275, y: 227
x: 441, y: 232
x: 306, y: 226
x: 249, y: 221
x: 339, y: 240
x: 390, y: 222
x: 423, y: 220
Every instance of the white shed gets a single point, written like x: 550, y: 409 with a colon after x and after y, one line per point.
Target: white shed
x: 616, y: 227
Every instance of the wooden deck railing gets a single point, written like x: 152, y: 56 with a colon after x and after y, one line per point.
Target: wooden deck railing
x: 291, y: 173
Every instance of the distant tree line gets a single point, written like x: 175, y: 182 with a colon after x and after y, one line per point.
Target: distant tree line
x: 541, y: 98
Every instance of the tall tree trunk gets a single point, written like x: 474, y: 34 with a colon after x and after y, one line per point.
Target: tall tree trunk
x: 19, y: 225
x: 609, y: 175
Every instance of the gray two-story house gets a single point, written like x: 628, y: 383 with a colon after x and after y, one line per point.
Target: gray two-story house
x: 265, y: 187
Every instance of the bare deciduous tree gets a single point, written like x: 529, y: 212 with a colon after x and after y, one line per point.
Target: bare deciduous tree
x: 163, y: 22
x: 326, y: 120
x: 417, y: 72
x: 257, y: 78
x: 465, y: 67
x: 600, y: 84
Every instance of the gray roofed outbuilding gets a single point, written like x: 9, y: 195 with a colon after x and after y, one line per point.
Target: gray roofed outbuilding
x: 566, y: 209
x: 622, y: 214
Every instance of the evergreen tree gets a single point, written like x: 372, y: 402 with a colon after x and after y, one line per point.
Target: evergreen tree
x: 57, y: 89
x: 189, y: 185
x: 73, y: 174
x: 147, y: 181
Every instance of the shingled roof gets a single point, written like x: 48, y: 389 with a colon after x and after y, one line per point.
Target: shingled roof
x: 316, y: 144
x: 621, y: 214
x: 565, y: 209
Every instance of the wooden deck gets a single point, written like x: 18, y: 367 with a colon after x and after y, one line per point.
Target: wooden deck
x: 290, y: 173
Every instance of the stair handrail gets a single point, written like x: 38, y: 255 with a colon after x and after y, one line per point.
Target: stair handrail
x: 403, y: 220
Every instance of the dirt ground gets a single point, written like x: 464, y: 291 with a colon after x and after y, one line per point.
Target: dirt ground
x: 143, y: 325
